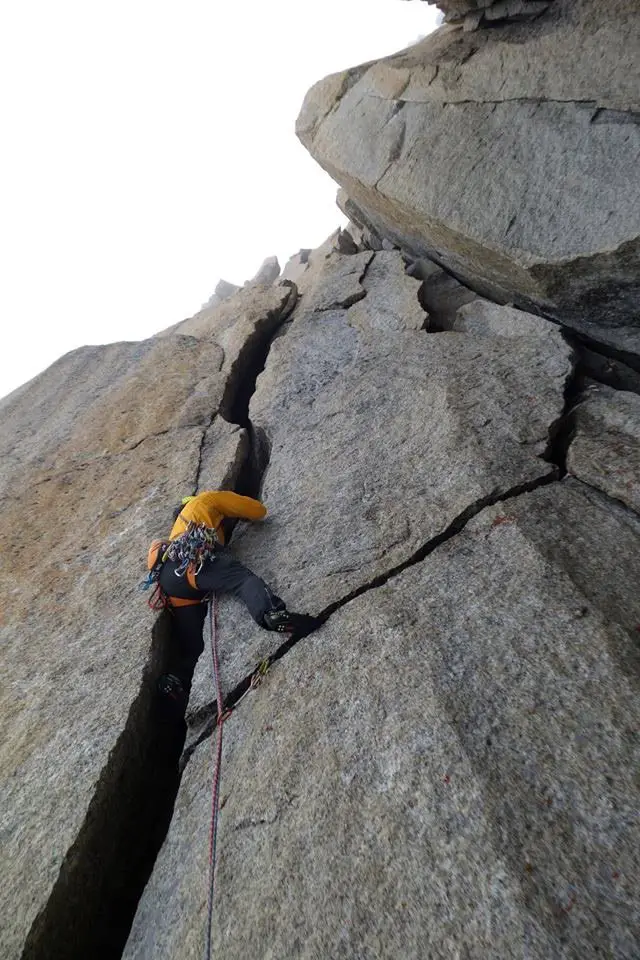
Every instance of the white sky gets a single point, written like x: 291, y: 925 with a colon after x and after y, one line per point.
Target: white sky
x: 148, y: 149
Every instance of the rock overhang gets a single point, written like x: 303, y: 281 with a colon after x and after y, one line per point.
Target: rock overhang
x: 508, y: 156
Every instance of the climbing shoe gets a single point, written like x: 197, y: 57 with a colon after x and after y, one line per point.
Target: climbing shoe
x: 296, y: 624
x: 170, y: 686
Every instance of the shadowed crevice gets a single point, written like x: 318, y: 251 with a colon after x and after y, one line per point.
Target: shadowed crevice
x: 251, y: 360
x: 93, y: 902
x: 91, y: 907
x: 562, y: 430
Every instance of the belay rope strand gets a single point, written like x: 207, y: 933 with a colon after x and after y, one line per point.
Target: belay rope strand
x: 223, y: 715
x: 215, y: 790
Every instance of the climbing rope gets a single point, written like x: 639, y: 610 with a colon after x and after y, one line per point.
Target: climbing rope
x: 222, y: 715
x: 215, y: 790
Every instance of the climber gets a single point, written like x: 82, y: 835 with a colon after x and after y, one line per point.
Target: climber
x: 194, y: 564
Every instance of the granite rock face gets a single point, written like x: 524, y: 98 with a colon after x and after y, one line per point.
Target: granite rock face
x: 95, y: 453
x: 446, y: 769
x: 449, y: 420
x: 475, y: 13
x: 606, y: 450
x: 509, y: 156
x: 394, y: 293
x: 446, y: 713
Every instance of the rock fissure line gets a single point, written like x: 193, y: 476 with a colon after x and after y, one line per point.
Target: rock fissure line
x: 132, y: 821
x: 562, y: 430
x: 203, y: 440
x: 560, y: 435
x: 251, y: 360
x: 600, y: 114
x: 208, y: 714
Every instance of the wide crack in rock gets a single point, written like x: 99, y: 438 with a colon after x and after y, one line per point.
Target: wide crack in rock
x: 89, y: 768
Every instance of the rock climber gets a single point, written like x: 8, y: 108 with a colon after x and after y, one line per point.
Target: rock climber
x: 193, y: 564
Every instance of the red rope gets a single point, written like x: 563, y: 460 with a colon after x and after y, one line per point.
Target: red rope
x: 215, y: 791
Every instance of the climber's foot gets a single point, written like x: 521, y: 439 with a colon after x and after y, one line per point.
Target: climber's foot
x: 171, y: 689
x: 297, y: 625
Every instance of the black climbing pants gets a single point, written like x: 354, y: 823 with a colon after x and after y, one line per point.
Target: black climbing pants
x: 222, y: 574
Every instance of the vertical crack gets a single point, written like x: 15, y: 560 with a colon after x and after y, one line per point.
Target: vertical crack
x: 562, y: 430
x: 94, y: 899
x: 93, y: 902
x: 201, y: 449
x: 251, y: 360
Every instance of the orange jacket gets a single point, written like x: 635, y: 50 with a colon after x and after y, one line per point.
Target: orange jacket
x: 212, y: 506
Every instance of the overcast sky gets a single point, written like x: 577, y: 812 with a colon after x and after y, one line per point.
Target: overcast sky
x: 149, y: 149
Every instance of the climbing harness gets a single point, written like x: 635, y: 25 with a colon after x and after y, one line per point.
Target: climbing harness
x: 189, y: 552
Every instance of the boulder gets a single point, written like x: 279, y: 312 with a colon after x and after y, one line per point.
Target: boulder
x: 391, y: 301
x: 223, y: 291
x: 606, y: 449
x: 486, y: 319
x: 445, y: 769
x: 509, y: 156
x: 336, y: 281
x: 267, y: 274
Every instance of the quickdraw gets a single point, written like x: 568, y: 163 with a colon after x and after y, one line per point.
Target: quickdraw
x: 259, y: 674
x: 192, y: 548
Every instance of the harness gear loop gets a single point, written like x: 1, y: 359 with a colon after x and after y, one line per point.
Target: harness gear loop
x: 189, y: 551
x: 192, y: 548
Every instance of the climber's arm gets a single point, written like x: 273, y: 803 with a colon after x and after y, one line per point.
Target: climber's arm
x: 234, y: 505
